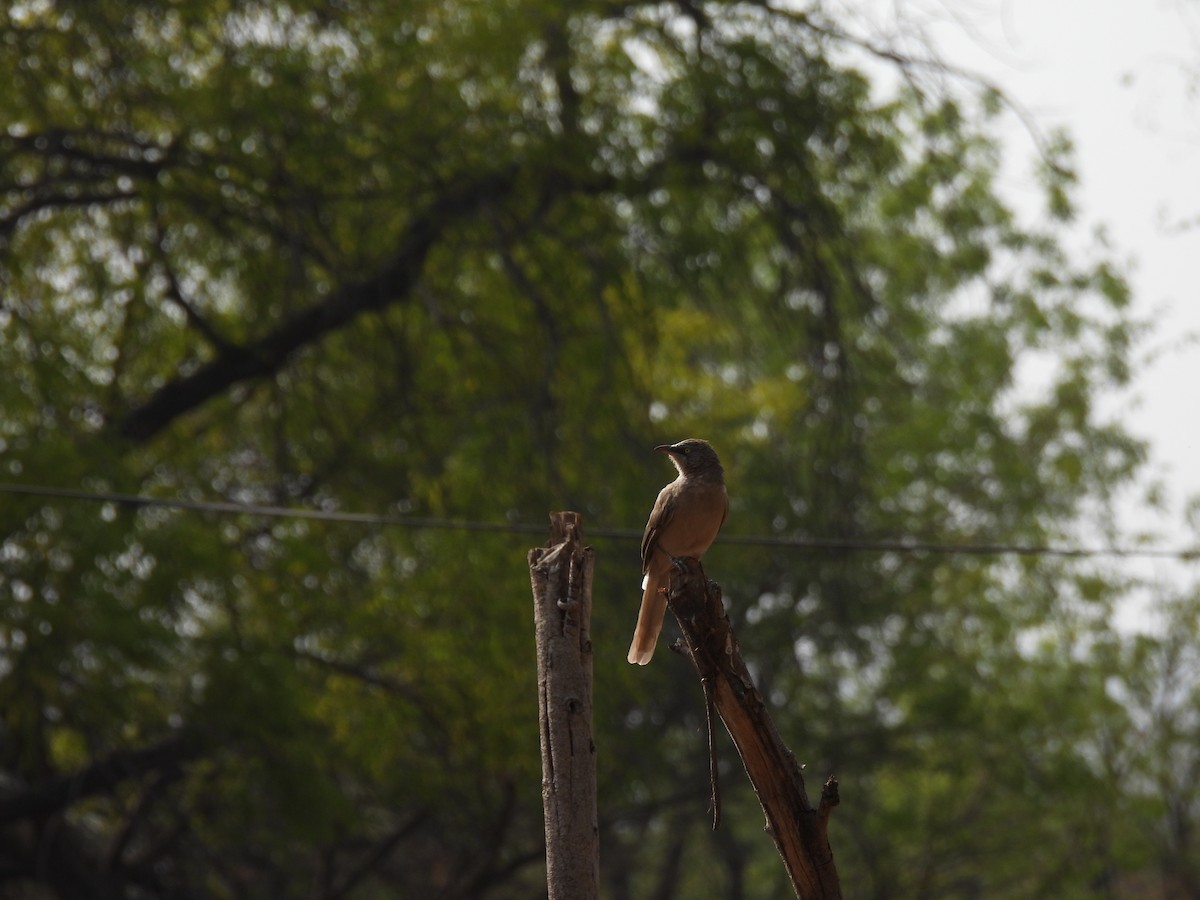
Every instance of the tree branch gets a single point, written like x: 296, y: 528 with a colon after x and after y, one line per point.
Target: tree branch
x: 58, y: 794
x: 174, y: 292
x: 799, y: 830
x: 377, y: 854
x: 268, y: 354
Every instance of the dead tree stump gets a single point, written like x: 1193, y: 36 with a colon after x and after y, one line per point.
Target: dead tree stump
x: 561, y: 576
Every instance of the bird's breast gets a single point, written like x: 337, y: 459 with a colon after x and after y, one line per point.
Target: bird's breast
x: 696, y: 520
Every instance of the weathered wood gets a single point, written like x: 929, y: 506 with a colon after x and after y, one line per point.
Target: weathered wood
x: 798, y: 829
x: 561, y: 576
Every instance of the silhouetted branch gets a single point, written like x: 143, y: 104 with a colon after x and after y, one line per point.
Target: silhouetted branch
x: 267, y: 354
x: 55, y: 795
x: 798, y: 829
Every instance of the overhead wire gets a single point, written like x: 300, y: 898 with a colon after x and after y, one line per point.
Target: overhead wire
x: 810, y: 544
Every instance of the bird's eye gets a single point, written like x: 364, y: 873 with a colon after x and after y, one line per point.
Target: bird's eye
x: 687, y: 450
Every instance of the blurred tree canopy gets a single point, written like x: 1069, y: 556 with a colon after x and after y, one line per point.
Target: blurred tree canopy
x: 469, y: 261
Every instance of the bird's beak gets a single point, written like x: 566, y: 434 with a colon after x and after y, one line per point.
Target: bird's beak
x: 664, y: 448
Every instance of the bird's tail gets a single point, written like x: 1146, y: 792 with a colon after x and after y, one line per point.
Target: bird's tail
x: 649, y: 623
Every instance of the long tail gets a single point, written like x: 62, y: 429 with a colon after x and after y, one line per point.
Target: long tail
x: 649, y: 623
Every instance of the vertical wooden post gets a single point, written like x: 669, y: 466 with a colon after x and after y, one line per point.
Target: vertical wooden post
x: 561, y: 576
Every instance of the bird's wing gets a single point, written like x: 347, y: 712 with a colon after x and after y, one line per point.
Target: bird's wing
x: 659, y: 517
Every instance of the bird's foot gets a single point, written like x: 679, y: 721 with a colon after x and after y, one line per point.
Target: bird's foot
x: 681, y: 563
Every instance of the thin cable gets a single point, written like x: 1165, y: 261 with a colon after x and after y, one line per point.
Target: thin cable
x: 140, y: 501
x: 823, y: 545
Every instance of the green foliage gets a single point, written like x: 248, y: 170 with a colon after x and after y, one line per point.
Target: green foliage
x: 471, y: 261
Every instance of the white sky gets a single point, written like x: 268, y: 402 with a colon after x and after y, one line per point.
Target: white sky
x: 1123, y: 79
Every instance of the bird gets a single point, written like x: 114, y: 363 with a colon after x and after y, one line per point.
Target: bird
x: 684, y: 522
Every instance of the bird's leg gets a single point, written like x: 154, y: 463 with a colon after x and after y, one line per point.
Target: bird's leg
x: 680, y: 563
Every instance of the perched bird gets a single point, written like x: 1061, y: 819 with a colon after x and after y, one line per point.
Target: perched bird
x: 686, y: 518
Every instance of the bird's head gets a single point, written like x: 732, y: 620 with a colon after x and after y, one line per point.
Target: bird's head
x: 694, y: 458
